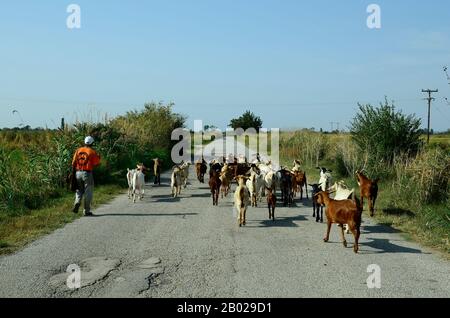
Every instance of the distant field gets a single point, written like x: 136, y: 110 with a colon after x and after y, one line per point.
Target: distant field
x: 439, y: 139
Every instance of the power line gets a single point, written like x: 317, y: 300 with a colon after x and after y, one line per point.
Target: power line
x: 429, y: 99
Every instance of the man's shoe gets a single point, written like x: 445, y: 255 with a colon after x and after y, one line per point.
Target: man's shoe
x: 88, y: 214
x: 76, y: 208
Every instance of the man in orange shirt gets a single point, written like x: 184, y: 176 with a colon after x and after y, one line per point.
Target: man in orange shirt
x: 84, y: 162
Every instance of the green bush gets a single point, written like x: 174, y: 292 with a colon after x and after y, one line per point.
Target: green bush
x: 384, y: 133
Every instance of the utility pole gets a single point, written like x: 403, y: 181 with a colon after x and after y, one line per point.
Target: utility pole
x: 429, y: 99
x: 332, y: 123
x: 446, y: 73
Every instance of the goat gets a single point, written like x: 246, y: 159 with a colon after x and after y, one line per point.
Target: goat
x: 214, y: 185
x: 342, y: 212
x: 286, y: 187
x: 298, y: 182
x: 225, y: 178
x: 130, y: 177
x: 369, y: 190
x: 157, y: 167
x: 241, y: 200
x: 185, y: 173
x: 341, y: 192
x: 201, y: 168
x: 296, y: 166
x: 317, y: 208
x: 325, y: 178
x: 176, y: 182
x: 271, y: 202
x: 251, y: 186
x: 139, y: 182
x: 270, y: 181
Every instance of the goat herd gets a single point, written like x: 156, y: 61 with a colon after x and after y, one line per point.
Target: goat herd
x: 257, y: 180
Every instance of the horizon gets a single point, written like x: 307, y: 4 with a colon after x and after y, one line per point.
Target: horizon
x: 296, y: 65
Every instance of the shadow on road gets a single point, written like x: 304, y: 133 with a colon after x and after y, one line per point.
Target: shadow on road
x: 386, y: 246
x: 280, y: 222
x: 144, y: 214
x: 306, y: 202
x: 203, y: 195
x: 379, y: 228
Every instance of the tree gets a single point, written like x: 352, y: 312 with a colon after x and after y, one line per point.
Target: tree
x: 246, y: 121
x: 383, y: 133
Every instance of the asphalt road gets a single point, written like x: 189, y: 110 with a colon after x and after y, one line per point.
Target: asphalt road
x: 185, y: 247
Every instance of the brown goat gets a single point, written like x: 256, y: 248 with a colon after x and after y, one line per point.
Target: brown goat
x: 342, y: 212
x: 157, y: 167
x: 369, y: 190
x: 201, y: 168
x: 214, y: 185
x: 298, y: 182
x: 271, y: 202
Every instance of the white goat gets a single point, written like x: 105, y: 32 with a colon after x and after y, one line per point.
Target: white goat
x: 130, y: 177
x: 325, y: 179
x: 139, y: 183
x: 176, y: 182
x: 251, y: 186
x: 185, y: 173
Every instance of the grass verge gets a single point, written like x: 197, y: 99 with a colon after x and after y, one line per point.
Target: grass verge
x: 414, y: 224
x: 18, y: 231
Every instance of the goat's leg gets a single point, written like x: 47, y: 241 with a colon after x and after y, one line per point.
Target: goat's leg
x: 374, y: 199
x: 371, y: 209
x: 245, y: 217
x: 306, y: 187
x: 321, y: 214
x: 343, y: 235
x: 356, y: 233
x: 327, y: 237
x: 314, y: 209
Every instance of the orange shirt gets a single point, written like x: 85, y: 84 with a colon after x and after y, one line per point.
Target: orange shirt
x: 85, y: 159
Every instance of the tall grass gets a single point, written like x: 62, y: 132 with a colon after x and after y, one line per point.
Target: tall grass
x: 34, y: 164
x: 307, y: 146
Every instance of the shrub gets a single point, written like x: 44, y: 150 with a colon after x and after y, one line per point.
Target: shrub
x: 385, y: 133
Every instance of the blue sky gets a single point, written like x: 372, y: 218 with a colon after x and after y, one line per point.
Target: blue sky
x: 294, y: 63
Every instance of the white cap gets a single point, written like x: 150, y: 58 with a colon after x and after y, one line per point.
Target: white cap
x: 89, y: 140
